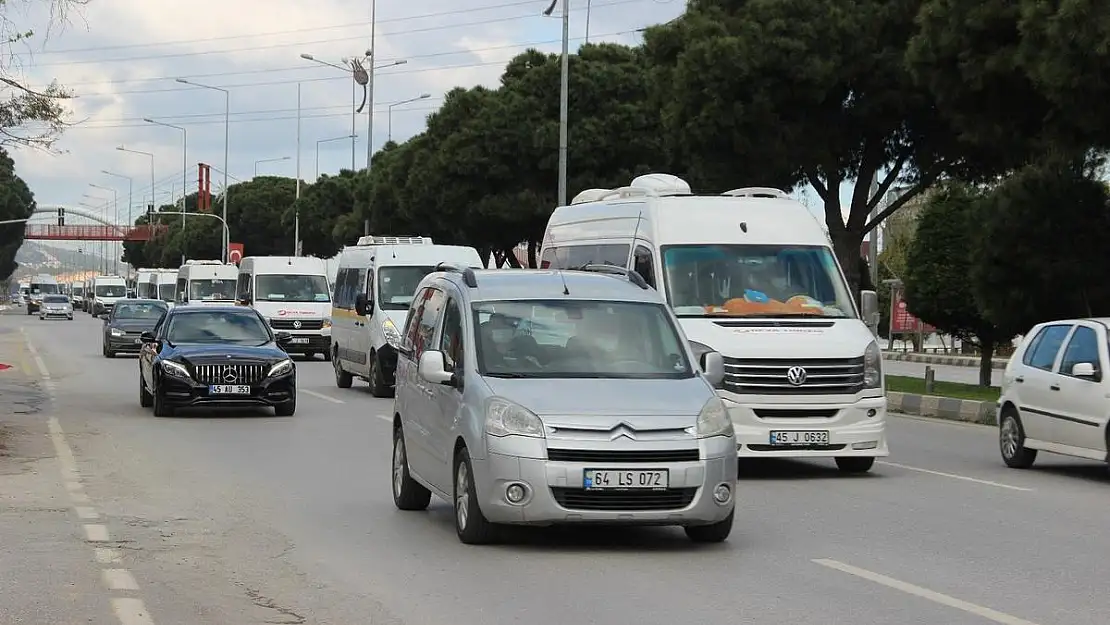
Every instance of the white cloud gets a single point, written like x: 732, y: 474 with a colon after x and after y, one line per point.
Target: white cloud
x: 121, y: 57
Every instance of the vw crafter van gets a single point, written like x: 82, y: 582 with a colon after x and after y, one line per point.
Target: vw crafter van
x: 751, y: 274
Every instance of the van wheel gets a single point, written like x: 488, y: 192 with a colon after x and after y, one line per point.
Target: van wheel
x: 714, y: 532
x: 342, y: 378
x: 470, y: 524
x: 378, y: 387
x: 1011, y: 441
x: 854, y: 464
x: 408, y: 494
x: 327, y: 356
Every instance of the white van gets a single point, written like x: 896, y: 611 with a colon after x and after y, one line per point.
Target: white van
x: 206, y: 282
x: 162, y: 284
x: 41, y: 285
x: 106, y: 291
x: 751, y: 274
x: 143, y: 288
x: 292, y: 293
x: 374, y: 286
x: 77, y: 294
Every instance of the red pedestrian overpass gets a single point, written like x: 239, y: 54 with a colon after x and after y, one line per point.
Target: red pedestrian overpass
x: 103, y: 230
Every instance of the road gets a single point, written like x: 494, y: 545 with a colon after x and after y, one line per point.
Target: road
x: 250, y: 519
x: 946, y: 373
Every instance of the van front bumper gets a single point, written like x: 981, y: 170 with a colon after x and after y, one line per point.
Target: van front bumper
x: 314, y: 342
x: 857, y: 428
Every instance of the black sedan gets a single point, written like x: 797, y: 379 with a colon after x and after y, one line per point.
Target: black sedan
x: 224, y: 356
x: 127, y: 322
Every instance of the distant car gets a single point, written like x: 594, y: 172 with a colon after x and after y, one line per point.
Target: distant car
x: 56, y: 307
x: 224, y: 356
x: 126, y: 323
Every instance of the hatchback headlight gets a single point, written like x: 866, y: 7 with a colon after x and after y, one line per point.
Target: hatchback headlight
x: 873, y: 366
x: 281, y: 368
x: 504, y: 418
x: 713, y: 420
x: 175, y: 369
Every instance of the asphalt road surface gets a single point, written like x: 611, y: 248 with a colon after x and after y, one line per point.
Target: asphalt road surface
x: 244, y: 519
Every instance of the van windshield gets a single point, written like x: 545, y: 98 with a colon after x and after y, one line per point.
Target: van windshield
x: 291, y: 288
x: 578, y: 339
x: 166, y: 291
x: 78, y: 291
x: 754, y: 281
x: 110, y: 290
x: 212, y: 290
x: 397, y: 285
x: 44, y: 288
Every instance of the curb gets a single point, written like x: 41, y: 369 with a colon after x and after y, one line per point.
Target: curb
x: 966, y: 410
x: 937, y: 359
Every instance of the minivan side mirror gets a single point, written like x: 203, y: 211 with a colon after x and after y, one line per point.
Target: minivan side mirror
x: 362, y: 304
x: 433, y: 369
x: 713, y: 366
x: 1084, y: 370
x: 869, y: 307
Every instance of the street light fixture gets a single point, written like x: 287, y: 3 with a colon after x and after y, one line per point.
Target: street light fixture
x: 130, y: 200
x: 184, y: 166
x: 269, y: 160
x: 227, y: 137
x: 115, y: 214
x: 101, y: 205
x: 151, y: 156
x: 318, y: 152
x: 389, y: 111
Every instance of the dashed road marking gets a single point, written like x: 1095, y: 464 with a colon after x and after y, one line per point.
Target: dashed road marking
x: 96, y: 533
x: 105, y: 555
x: 87, y: 513
x: 131, y: 611
x: 925, y: 593
x: 954, y: 476
x: 73, y: 487
x: 79, y: 497
x: 322, y: 396
x: 385, y: 417
x: 119, y: 579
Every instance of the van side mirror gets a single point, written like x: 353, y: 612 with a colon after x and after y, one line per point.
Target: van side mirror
x: 147, y: 337
x: 362, y: 304
x: 433, y: 368
x: 713, y: 366
x: 282, y: 338
x: 1084, y: 370
x: 245, y: 300
x: 869, y: 308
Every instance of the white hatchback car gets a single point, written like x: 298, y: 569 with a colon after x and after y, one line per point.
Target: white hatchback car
x: 1056, y: 394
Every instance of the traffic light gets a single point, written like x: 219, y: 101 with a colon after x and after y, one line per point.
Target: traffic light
x: 61, y: 216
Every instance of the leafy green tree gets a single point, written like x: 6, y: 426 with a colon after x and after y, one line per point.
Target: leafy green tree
x: 1043, y: 246
x: 321, y: 205
x: 785, y: 92
x: 16, y: 202
x: 938, y: 264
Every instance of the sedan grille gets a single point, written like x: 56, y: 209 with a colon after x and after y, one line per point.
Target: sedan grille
x: 625, y: 455
x: 229, y: 374
x: 623, y: 500
x: 290, y: 324
x: 769, y: 376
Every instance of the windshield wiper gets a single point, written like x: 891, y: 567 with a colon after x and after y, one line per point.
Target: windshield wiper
x: 791, y: 315
x: 512, y: 375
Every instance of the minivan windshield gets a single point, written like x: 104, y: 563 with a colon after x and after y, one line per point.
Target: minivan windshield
x: 213, y: 290
x: 754, y: 281
x: 291, y: 288
x: 397, y: 285
x: 110, y: 290
x: 578, y: 339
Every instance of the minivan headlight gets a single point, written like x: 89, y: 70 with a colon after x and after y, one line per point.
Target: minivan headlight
x: 504, y: 418
x: 873, y: 366
x: 392, y: 334
x: 713, y: 420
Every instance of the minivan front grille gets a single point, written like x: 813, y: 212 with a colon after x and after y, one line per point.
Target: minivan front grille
x: 229, y: 374
x: 291, y: 324
x: 624, y: 455
x: 769, y: 376
x: 623, y: 500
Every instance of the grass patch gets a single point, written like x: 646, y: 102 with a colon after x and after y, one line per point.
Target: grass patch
x: 955, y: 390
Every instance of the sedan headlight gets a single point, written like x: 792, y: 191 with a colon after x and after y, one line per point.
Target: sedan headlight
x: 116, y: 332
x: 281, y: 368
x: 175, y: 369
x: 713, y: 420
x: 392, y: 334
x: 504, y: 418
x: 873, y: 366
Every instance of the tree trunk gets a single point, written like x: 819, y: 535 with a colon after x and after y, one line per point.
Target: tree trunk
x: 986, y: 361
x: 846, y: 245
x: 510, y: 258
x: 532, y: 249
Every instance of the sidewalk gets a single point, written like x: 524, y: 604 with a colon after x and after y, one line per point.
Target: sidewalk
x: 47, y: 573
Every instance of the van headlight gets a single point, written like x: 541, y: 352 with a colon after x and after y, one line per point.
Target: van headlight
x: 504, y: 418
x: 873, y: 366
x: 327, y: 323
x: 713, y: 420
x: 391, y: 333
x: 280, y: 368
x: 117, y: 332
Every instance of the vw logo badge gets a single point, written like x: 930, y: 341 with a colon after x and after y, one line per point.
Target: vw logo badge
x: 297, y: 324
x: 796, y: 376
x: 229, y: 374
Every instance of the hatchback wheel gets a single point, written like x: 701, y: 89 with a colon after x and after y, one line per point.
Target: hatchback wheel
x: 470, y: 524
x: 1011, y: 442
x: 408, y: 494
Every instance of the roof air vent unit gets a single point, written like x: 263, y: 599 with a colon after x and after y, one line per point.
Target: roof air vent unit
x: 766, y: 192
x: 590, y: 195
x: 203, y: 262
x: 376, y: 240
x: 661, y: 184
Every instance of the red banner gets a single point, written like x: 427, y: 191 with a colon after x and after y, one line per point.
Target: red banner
x: 901, y: 321
x: 234, y: 253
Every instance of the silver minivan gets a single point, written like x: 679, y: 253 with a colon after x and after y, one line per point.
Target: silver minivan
x: 535, y: 397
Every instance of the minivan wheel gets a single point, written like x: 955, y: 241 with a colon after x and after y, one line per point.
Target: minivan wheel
x: 854, y: 464
x: 470, y: 524
x: 714, y: 532
x: 408, y: 494
x: 342, y: 378
x: 378, y: 387
x: 1011, y: 442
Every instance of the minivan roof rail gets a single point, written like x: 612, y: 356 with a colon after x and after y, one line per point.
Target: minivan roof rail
x: 467, y: 273
x: 615, y: 270
x: 769, y: 192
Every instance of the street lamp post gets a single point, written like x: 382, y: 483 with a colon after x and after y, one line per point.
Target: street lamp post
x: 268, y: 160
x: 318, y: 152
x: 184, y: 171
x: 227, y: 231
x: 101, y: 205
x: 227, y: 137
x: 564, y: 91
x: 115, y: 212
x: 151, y: 157
x: 389, y: 111
x: 130, y: 201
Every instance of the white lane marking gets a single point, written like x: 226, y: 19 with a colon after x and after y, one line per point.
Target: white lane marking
x: 96, y: 533
x: 87, y: 513
x: 323, y: 396
x: 119, y: 579
x: 105, y: 555
x: 74, y: 487
x: 385, y: 417
x: 957, y: 477
x: 131, y: 611
x: 925, y: 593
x: 79, y: 497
